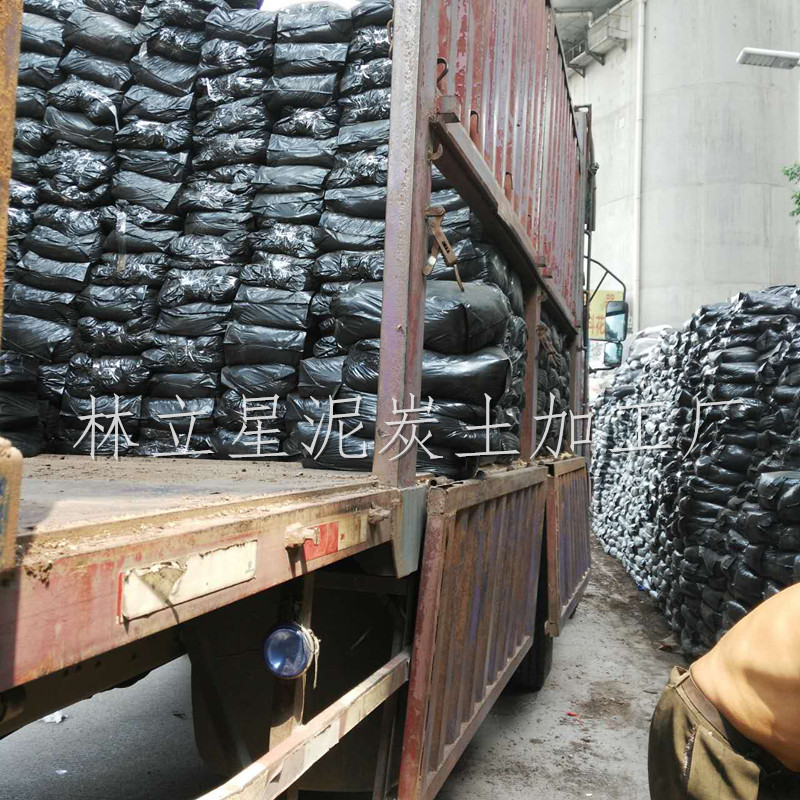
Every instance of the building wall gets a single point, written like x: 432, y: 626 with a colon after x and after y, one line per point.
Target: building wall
x: 715, y: 205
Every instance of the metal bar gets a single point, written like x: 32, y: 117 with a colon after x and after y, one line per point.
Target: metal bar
x: 10, y: 27
x: 281, y: 767
x: 533, y: 315
x: 465, y: 168
x: 408, y: 193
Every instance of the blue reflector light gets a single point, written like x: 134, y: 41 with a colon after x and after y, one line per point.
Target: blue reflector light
x: 289, y: 650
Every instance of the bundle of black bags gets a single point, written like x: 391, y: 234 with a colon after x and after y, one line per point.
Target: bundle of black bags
x: 50, y: 242
x: 716, y: 508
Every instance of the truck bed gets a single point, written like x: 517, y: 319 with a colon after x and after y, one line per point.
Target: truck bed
x: 109, y: 552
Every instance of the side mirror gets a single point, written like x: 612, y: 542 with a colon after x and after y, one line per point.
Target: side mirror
x: 616, y: 320
x: 612, y: 354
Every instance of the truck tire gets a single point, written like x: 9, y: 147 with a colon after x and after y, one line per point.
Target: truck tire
x: 535, y: 667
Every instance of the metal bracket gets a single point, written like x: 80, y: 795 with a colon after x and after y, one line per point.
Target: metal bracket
x: 298, y: 536
x: 434, y: 215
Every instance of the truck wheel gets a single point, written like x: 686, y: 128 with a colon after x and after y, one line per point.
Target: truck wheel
x: 535, y: 667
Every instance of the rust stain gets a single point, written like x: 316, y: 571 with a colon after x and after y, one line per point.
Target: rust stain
x: 10, y: 27
x: 39, y: 571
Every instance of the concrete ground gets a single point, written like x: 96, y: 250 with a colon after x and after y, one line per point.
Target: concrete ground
x: 136, y: 743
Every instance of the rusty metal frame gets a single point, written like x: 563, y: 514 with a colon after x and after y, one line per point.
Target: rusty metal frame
x: 278, y: 770
x: 568, y: 533
x: 415, y: 30
x: 475, y: 615
x: 10, y: 26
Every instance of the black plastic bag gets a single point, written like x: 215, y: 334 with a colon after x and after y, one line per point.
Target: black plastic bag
x: 89, y: 376
x: 41, y: 35
x: 178, y: 44
x: 31, y: 136
x: 129, y: 10
x: 145, y: 269
x: 186, y: 385
x: 20, y: 222
x: 51, y: 383
x: 157, y: 14
x: 27, y: 440
x: 360, y: 168
x: 320, y: 377
x: 194, y: 319
x: 60, y: 307
x: 215, y: 196
x: 350, y: 265
x: 218, y: 223
x: 256, y: 344
x: 780, y: 491
x: 369, y: 42
x: 164, y: 74
x: 100, y: 33
x: 195, y: 413
x: 216, y: 285
x: 314, y: 22
x: 260, y: 380
x: 74, y: 241
x: 372, y: 12
x: 119, y: 303
x: 159, y: 164
x: 228, y: 173
x: 327, y: 347
x: 291, y: 178
x: 309, y: 58
x: 30, y: 102
x: 285, y: 150
x: 230, y: 148
x: 248, y: 115
x: 24, y: 168
x: 142, y: 102
x: 368, y: 106
x: 145, y: 134
x: 235, y: 412
x: 54, y: 9
x: 19, y: 409
x: 20, y: 195
x: 361, y: 76
x: 210, y: 250
x: 68, y: 126
x: 227, y: 88
x: 364, y: 135
x: 57, y: 276
x: 302, y: 207
x: 97, y: 103
x: 280, y: 272
x: 182, y: 354
x: 318, y: 123
x: 343, y: 232
x: 108, y: 72
x: 358, y: 201
x: 300, y: 241
x: 18, y: 371
x: 60, y: 190
x: 228, y: 444
x: 42, y: 339
x: 140, y: 190
x: 464, y: 378
x: 246, y: 25
x: 306, y: 91
x: 221, y: 57
x: 85, y: 169
x: 108, y: 337
x: 138, y: 230
x: 272, y: 308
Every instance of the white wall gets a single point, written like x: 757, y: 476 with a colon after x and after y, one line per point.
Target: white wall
x: 715, y: 206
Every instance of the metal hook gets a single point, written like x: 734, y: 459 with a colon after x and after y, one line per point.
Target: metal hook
x: 442, y: 62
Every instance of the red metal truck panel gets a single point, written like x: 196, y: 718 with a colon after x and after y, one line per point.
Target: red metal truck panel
x: 505, y: 68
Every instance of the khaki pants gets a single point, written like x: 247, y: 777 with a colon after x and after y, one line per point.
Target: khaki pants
x: 696, y: 754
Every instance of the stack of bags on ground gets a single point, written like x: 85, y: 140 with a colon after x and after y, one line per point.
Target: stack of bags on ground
x: 718, y: 511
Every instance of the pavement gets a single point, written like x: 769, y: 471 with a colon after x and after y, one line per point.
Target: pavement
x: 584, y: 735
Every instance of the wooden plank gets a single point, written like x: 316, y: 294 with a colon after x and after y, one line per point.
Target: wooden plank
x: 281, y: 767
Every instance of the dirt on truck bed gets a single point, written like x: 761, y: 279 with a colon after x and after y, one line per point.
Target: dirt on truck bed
x: 62, y: 492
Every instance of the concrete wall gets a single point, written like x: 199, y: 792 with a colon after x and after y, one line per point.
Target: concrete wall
x: 715, y: 206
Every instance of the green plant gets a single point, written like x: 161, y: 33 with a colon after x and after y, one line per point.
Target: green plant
x: 792, y: 172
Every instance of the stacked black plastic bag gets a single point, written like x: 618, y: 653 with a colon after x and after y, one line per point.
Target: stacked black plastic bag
x: 717, y: 508
x: 553, y: 397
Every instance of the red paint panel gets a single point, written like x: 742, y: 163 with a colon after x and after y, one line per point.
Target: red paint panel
x: 328, y: 542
